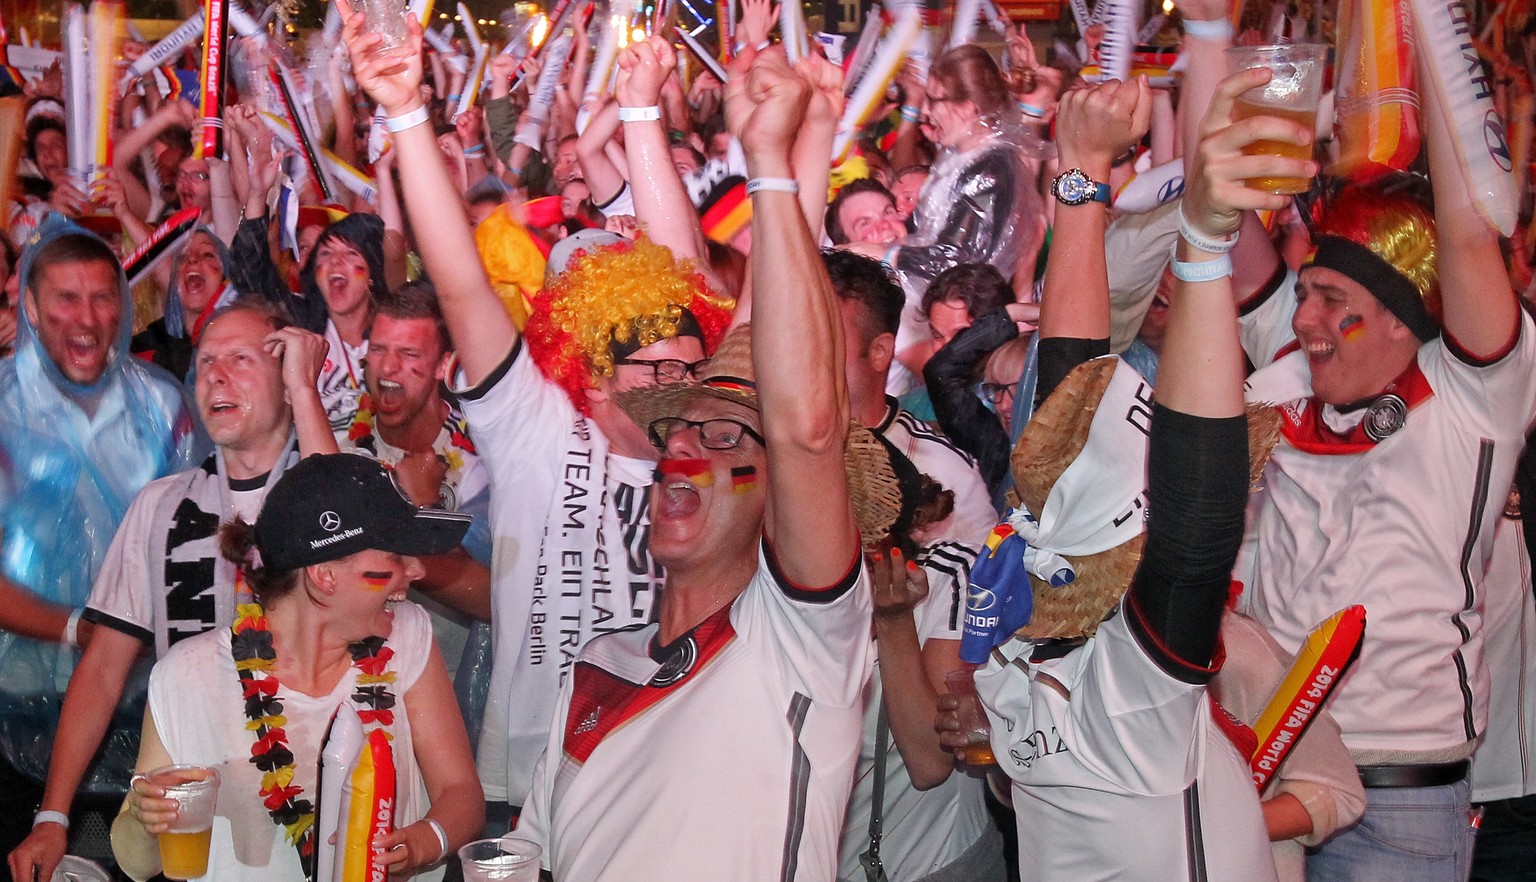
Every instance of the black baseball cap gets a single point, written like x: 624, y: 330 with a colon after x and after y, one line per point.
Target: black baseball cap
x: 328, y: 507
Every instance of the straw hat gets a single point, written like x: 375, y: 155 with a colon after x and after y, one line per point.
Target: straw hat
x: 872, y: 484
x: 1051, y: 442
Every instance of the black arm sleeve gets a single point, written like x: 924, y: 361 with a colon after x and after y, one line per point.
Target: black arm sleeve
x: 961, y: 414
x: 1197, y: 487
x: 1058, y: 356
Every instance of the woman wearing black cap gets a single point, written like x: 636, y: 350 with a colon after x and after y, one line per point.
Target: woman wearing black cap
x: 326, y: 625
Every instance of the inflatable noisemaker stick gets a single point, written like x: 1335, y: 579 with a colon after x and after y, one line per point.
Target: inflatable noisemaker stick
x: 701, y: 54
x: 1521, y: 111
x: 211, y: 81
x: 610, y: 25
x: 1375, y: 89
x: 1463, y: 95
x: 864, y: 49
x: 963, y: 29
x: 368, y: 804
x: 437, y: 40
x: 168, y: 47
x: 1323, y: 658
x: 725, y: 28
x: 244, y: 25
x: 338, y: 754
x: 422, y: 10
x: 480, y: 56
x: 294, y: 120
x: 870, y: 92
x: 106, y: 17
x: 1080, y: 15
x: 1151, y: 188
x: 78, y: 109
x: 12, y: 130
x: 163, y: 242
x: 792, y: 31
x: 1119, y: 38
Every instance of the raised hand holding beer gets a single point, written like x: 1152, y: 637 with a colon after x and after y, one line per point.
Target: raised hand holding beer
x: 1292, y: 92
x: 1217, y: 190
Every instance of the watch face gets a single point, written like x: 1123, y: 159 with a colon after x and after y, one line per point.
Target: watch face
x: 1073, y: 187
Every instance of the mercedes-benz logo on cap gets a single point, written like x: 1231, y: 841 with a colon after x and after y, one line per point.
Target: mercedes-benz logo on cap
x: 329, y: 521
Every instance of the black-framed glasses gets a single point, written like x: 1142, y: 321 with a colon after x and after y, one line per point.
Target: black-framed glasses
x: 720, y: 433
x: 1000, y: 394
x: 665, y: 371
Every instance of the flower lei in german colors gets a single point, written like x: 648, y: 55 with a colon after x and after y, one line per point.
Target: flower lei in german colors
x: 251, y: 646
x: 361, y: 434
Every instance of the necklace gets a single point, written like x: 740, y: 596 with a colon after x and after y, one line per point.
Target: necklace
x: 451, y: 445
x: 255, y: 658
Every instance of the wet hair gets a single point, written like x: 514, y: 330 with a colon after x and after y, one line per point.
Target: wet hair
x: 275, y: 314
x: 979, y: 286
x: 68, y: 248
x: 237, y: 543
x: 969, y: 74
x: 835, y: 230
x: 867, y: 282
x: 417, y: 300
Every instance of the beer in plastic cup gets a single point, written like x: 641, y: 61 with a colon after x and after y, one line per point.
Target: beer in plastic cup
x: 184, y: 848
x: 973, y: 720
x: 507, y: 859
x: 385, y: 18
x: 1293, y: 92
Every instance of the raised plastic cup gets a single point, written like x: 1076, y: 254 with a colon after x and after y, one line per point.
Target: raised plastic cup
x: 507, y: 859
x: 385, y: 18
x: 184, y: 848
x: 1294, y: 90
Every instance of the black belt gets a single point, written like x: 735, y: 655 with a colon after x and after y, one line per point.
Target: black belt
x: 1432, y: 775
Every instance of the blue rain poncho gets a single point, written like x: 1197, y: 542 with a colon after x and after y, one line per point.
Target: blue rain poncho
x: 65, y: 482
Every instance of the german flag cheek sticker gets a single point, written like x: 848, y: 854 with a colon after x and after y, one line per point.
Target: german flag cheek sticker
x: 743, y: 478
x: 695, y: 471
x: 375, y: 581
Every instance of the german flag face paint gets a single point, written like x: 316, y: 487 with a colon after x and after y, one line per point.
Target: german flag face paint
x: 1352, y: 327
x: 374, y: 580
x: 743, y: 478
x: 695, y: 471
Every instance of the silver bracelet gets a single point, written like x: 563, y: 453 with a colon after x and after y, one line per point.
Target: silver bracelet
x: 408, y: 120
x: 442, y: 838
x: 1200, y: 240
x: 1198, y: 270
x: 773, y: 185
x: 51, y: 817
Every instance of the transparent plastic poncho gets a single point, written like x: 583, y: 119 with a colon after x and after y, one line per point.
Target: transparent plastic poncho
x: 65, y: 483
x: 977, y: 206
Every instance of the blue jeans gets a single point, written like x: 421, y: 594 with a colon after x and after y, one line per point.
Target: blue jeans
x: 1408, y: 834
x: 1506, y: 843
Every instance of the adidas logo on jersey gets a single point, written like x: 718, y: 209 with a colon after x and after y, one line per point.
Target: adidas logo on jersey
x: 589, y: 722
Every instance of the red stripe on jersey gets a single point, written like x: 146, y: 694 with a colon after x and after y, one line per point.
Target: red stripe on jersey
x: 602, y: 702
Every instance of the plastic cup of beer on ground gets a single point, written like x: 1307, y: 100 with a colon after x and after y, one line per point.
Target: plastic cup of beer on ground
x: 184, y: 848
x: 385, y: 18
x: 501, y: 860
x: 973, y: 720
x: 1293, y: 92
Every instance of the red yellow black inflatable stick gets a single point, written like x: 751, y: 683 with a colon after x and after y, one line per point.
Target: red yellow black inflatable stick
x: 1322, y: 660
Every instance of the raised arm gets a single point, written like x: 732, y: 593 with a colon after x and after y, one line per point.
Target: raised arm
x: 481, y: 330
x: 1198, y: 463
x: 603, y: 177
x: 797, y: 346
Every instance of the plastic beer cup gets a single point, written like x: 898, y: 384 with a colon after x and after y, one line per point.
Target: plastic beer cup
x: 1293, y: 92
x: 184, y: 848
x: 385, y: 18
x: 973, y: 720
x: 507, y: 859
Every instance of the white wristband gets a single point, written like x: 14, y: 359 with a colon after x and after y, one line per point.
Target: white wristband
x: 408, y: 120
x: 47, y: 817
x: 1198, y: 270
x: 1216, y: 29
x: 773, y: 185
x: 1202, y: 241
x: 640, y: 114
x: 72, y: 630
x: 442, y: 839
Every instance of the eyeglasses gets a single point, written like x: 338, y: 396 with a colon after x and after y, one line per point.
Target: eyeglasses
x: 196, y: 177
x: 664, y: 371
x: 716, y: 434
x: 999, y: 393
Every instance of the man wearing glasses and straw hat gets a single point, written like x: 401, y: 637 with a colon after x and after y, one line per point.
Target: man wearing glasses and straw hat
x: 721, y: 742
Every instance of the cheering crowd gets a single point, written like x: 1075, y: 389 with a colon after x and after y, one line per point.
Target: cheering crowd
x: 641, y: 447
